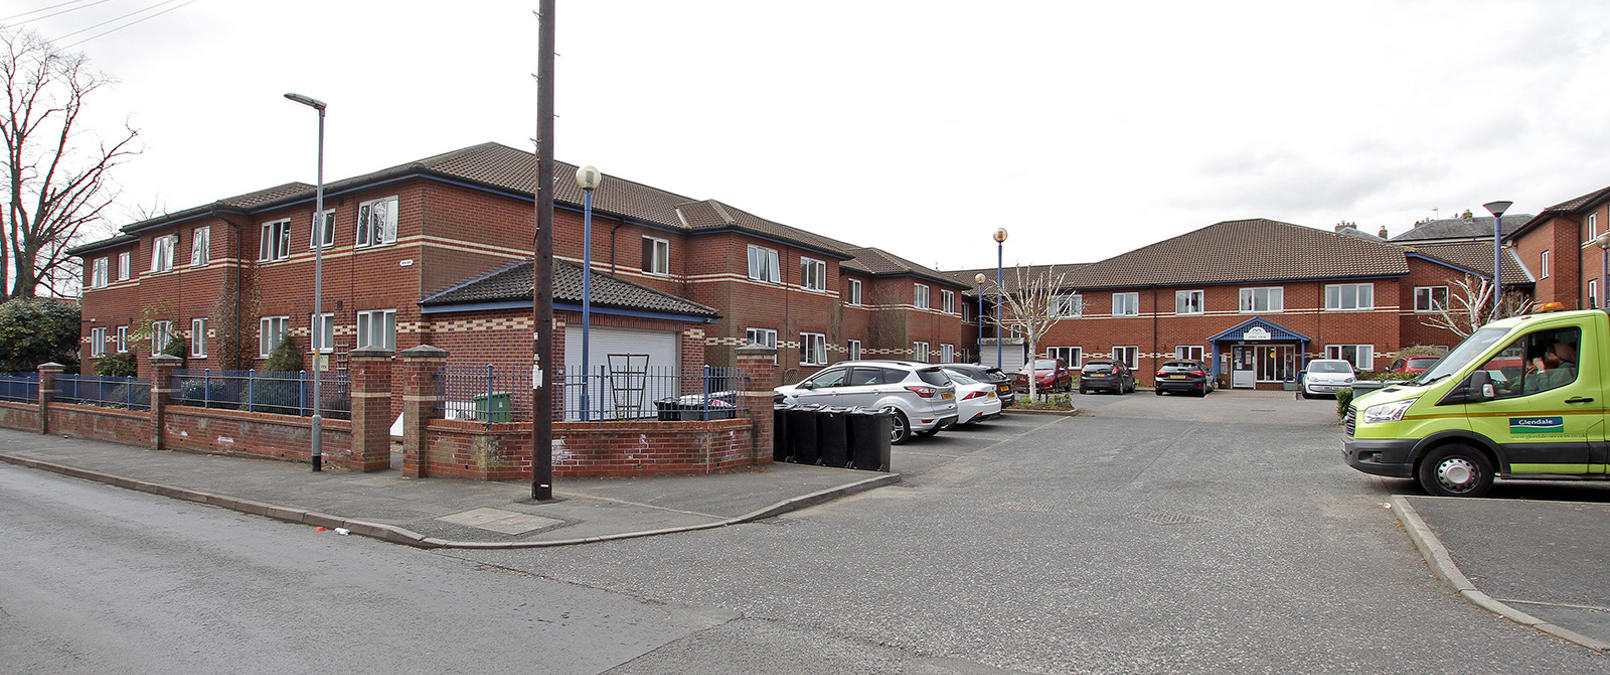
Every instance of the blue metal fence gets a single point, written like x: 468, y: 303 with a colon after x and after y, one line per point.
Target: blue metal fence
x: 486, y: 393
x: 503, y: 394
x: 131, y: 393
x: 282, y: 393
x: 22, y: 388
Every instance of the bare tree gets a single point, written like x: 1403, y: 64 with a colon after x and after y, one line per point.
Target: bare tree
x: 56, y: 173
x: 1470, y: 306
x: 1034, y: 308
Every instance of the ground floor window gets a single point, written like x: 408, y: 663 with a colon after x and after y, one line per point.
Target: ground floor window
x: 198, y: 338
x: 1074, y: 356
x: 919, y: 351
x: 947, y: 353
x: 854, y: 350
x: 270, y: 331
x: 1361, y: 356
x: 1188, y: 352
x: 161, y: 333
x: 97, y: 341
x: 1129, y: 356
x: 764, y: 337
x: 376, y: 328
x: 812, y: 349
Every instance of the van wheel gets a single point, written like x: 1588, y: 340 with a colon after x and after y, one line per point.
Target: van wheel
x: 1456, y: 471
x: 900, y: 431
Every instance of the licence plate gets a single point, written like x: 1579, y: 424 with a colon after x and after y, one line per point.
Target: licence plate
x: 949, y: 394
x: 1005, y: 387
x: 1176, y: 377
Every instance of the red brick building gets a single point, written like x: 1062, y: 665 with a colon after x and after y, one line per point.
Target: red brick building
x: 429, y: 252
x: 1559, y: 246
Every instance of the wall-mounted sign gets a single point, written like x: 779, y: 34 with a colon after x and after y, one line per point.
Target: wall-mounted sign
x: 1256, y: 333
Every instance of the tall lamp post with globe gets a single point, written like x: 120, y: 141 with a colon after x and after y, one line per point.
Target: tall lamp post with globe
x: 1000, y: 241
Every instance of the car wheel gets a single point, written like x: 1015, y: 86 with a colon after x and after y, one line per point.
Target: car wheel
x: 1158, y: 391
x: 1456, y: 471
x: 1202, y: 393
x: 900, y: 431
x: 1082, y: 389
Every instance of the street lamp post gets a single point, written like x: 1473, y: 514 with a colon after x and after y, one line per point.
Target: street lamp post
x: 1497, y: 209
x: 980, y: 279
x: 317, y: 423
x: 1000, y: 240
x: 588, y: 178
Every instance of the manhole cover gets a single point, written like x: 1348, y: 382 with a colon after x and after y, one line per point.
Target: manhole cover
x: 1169, y: 518
x: 498, y: 520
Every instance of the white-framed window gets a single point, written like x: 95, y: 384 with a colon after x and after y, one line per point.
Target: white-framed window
x: 919, y: 296
x: 377, y: 328
x: 200, y: 245
x: 97, y: 275
x: 1430, y: 298
x: 1361, y: 356
x: 1073, y: 356
x: 275, y: 242
x: 1127, y: 355
x: 329, y: 231
x: 377, y: 222
x: 1593, y: 293
x: 1126, y: 304
x: 656, y: 255
x: 198, y: 338
x: 1188, y: 302
x: 947, y: 353
x: 122, y: 339
x: 947, y: 303
x: 161, y: 333
x: 125, y: 265
x: 1349, y: 296
x: 1263, y: 299
x: 321, y: 332
x: 270, y: 332
x: 162, y: 252
x: 1593, y: 228
x: 812, y: 274
x: 854, y: 350
x: 765, y: 337
x: 1188, y: 352
x: 763, y: 265
x: 97, y: 341
x: 853, y: 294
x: 919, y: 351
x: 812, y: 349
x: 1543, y: 264
x: 1071, y: 305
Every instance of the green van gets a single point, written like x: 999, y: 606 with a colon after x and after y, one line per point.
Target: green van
x: 1523, y: 397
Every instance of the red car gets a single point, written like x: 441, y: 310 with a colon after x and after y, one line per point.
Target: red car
x: 1049, y: 375
x: 1412, y: 364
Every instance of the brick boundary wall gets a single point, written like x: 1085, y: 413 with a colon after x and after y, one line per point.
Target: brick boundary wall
x: 22, y: 416
x: 103, y: 424
x: 481, y: 451
x: 253, y: 434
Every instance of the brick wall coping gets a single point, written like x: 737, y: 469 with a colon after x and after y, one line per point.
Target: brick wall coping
x: 597, y: 427
x: 141, y: 415
x: 26, y: 407
x: 270, y: 418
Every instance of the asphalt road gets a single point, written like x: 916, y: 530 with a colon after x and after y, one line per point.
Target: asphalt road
x: 1154, y: 534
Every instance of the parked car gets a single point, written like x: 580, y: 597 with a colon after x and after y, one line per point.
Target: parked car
x: 1412, y: 364
x: 990, y: 374
x: 1325, y: 377
x: 1049, y: 375
x: 1185, y: 377
x: 1108, y: 375
x: 921, y: 395
x: 975, y: 401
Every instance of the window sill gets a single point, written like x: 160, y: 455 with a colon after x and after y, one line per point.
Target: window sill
x: 657, y: 274
x: 1349, y: 309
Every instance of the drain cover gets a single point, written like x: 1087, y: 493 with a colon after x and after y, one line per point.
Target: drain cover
x: 1169, y: 518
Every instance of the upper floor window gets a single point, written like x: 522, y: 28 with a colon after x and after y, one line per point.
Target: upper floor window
x: 1430, y: 298
x: 275, y: 243
x: 162, y: 252
x: 1125, y: 304
x: 1593, y: 227
x: 812, y: 274
x: 329, y: 231
x: 1543, y: 264
x: 763, y: 265
x: 125, y: 266
x: 920, y: 296
x: 1188, y: 302
x: 656, y: 255
x: 947, y: 302
x: 1265, y: 299
x: 1350, y: 296
x: 200, y: 246
x: 377, y: 222
x: 378, y: 328
x: 1070, y: 305
x: 854, y: 293
x: 97, y: 275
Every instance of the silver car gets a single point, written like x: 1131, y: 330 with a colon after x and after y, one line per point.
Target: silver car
x: 922, y: 397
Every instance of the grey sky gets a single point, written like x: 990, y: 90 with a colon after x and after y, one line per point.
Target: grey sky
x: 1087, y: 129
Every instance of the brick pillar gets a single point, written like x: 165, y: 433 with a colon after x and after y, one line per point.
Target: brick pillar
x: 370, y: 372
x: 162, y: 367
x: 47, y: 392
x: 757, y: 363
x: 418, y: 372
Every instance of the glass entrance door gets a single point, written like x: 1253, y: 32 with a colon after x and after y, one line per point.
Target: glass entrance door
x: 1276, y: 363
x: 1243, y: 367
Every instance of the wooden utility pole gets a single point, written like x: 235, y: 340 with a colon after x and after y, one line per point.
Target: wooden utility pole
x: 542, y: 367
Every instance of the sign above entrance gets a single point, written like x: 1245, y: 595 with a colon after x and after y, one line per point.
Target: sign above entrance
x: 1256, y: 333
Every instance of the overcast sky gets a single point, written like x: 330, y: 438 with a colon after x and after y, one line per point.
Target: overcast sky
x: 1086, y: 129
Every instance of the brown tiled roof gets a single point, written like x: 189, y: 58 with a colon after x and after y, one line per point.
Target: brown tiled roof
x: 512, y: 282
x: 1563, y: 208
x: 1010, y: 275
x: 243, y: 202
x: 1458, y: 228
x: 878, y: 262
x: 1254, y: 250
x: 1477, y: 257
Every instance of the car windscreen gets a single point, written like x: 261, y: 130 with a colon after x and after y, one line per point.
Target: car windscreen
x: 995, y: 373
x: 959, y: 378
x: 1045, y: 364
x: 1182, y: 365
x: 933, y: 376
x: 1097, y: 367
x: 1329, y: 367
x: 1463, y: 354
x: 1423, y: 361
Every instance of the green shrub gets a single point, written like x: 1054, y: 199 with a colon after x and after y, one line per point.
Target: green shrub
x: 120, y: 364
x: 1343, y: 398
x: 279, y: 390
x: 1422, y: 350
x: 199, y: 392
x: 37, y: 331
x: 176, y: 347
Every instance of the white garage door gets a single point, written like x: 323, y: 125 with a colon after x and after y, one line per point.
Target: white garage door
x: 620, y: 395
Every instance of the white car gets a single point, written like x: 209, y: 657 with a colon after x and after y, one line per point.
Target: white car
x: 922, y: 397
x: 1325, y: 377
x: 975, y: 401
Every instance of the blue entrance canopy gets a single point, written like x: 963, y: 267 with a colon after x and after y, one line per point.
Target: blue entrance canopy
x: 1259, y: 329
